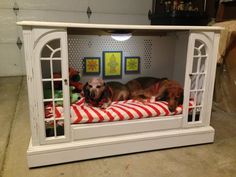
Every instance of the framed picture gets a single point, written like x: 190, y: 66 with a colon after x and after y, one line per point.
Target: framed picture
x: 112, y: 64
x: 91, y: 65
x: 132, y: 65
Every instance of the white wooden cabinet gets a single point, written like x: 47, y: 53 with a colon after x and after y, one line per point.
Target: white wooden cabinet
x: 184, y: 53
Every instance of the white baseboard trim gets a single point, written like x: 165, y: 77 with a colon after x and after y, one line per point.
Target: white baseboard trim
x: 115, y: 145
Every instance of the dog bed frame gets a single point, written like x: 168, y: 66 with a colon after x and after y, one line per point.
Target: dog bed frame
x: 183, y: 53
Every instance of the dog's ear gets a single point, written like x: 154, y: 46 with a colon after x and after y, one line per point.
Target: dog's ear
x: 86, y: 90
x: 107, y: 91
x: 181, y: 96
x: 105, y: 84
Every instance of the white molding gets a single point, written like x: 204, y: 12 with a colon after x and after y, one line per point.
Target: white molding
x: 115, y: 26
x: 86, y: 131
x: 30, y: 71
x: 124, y: 144
x: 50, y: 35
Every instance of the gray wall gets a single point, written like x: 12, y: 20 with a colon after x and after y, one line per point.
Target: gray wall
x: 103, y: 11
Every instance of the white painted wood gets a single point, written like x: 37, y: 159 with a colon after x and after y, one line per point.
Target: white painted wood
x: 105, y: 139
x: 109, y: 146
x: 96, y: 130
x: 41, y: 40
x: 207, y: 39
x: 211, y: 77
x: 29, y: 61
x: 114, y: 26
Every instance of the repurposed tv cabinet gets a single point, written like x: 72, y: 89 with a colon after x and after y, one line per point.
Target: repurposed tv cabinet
x: 183, y: 53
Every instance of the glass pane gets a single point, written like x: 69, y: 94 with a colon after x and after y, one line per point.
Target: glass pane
x: 60, y: 128
x: 45, y: 68
x: 203, y: 50
x: 49, y: 128
x: 198, y: 113
x: 201, y: 79
x: 199, y: 98
x: 196, y: 52
x: 46, y: 52
x: 56, y: 66
x: 47, y: 89
x: 57, y: 54
x: 48, y: 109
x: 197, y: 43
x: 58, y: 89
x: 55, y: 44
x: 193, y: 82
x: 191, y: 114
x: 59, y: 103
x: 202, y: 65
x: 192, y: 96
x: 195, y: 63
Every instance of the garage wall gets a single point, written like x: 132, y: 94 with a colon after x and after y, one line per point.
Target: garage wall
x: 103, y: 11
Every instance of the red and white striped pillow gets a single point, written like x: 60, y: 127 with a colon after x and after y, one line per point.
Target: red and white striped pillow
x: 117, y: 111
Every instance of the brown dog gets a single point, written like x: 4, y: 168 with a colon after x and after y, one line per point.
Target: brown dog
x: 96, y: 93
x: 119, y: 91
x: 159, y: 89
x: 100, y: 94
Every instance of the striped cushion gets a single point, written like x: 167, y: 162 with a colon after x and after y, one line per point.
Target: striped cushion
x: 117, y: 111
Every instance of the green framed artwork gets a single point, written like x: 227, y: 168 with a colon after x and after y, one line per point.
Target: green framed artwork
x: 112, y: 64
x: 91, y: 65
x: 132, y: 65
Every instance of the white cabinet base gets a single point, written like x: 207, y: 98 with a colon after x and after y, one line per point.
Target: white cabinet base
x: 115, y: 145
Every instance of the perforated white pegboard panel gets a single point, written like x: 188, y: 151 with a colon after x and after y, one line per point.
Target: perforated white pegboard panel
x: 153, y: 55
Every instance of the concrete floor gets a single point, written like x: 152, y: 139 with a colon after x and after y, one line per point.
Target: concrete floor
x: 210, y: 160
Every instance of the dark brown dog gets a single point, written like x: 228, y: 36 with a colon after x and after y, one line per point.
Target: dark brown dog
x: 138, y: 85
x: 119, y: 91
x: 97, y: 94
x: 100, y: 94
x: 159, y: 89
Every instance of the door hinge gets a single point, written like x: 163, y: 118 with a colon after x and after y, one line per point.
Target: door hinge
x: 19, y: 43
x: 16, y: 8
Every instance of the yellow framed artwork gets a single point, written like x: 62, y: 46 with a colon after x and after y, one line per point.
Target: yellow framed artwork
x: 112, y: 64
x: 132, y: 65
x: 91, y: 65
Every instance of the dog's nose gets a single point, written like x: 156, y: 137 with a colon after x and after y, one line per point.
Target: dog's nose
x: 92, y: 94
x: 171, y: 109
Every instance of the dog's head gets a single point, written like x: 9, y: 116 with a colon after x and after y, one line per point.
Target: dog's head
x: 94, y: 88
x: 174, y: 98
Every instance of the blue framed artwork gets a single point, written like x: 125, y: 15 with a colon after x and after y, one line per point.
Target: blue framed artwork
x: 91, y: 65
x: 132, y: 65
x: 112, y: 64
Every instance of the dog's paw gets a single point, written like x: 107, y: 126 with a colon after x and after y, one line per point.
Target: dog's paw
x: 153, y: 99
x: 86, y: 104
x: 105, y: 106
